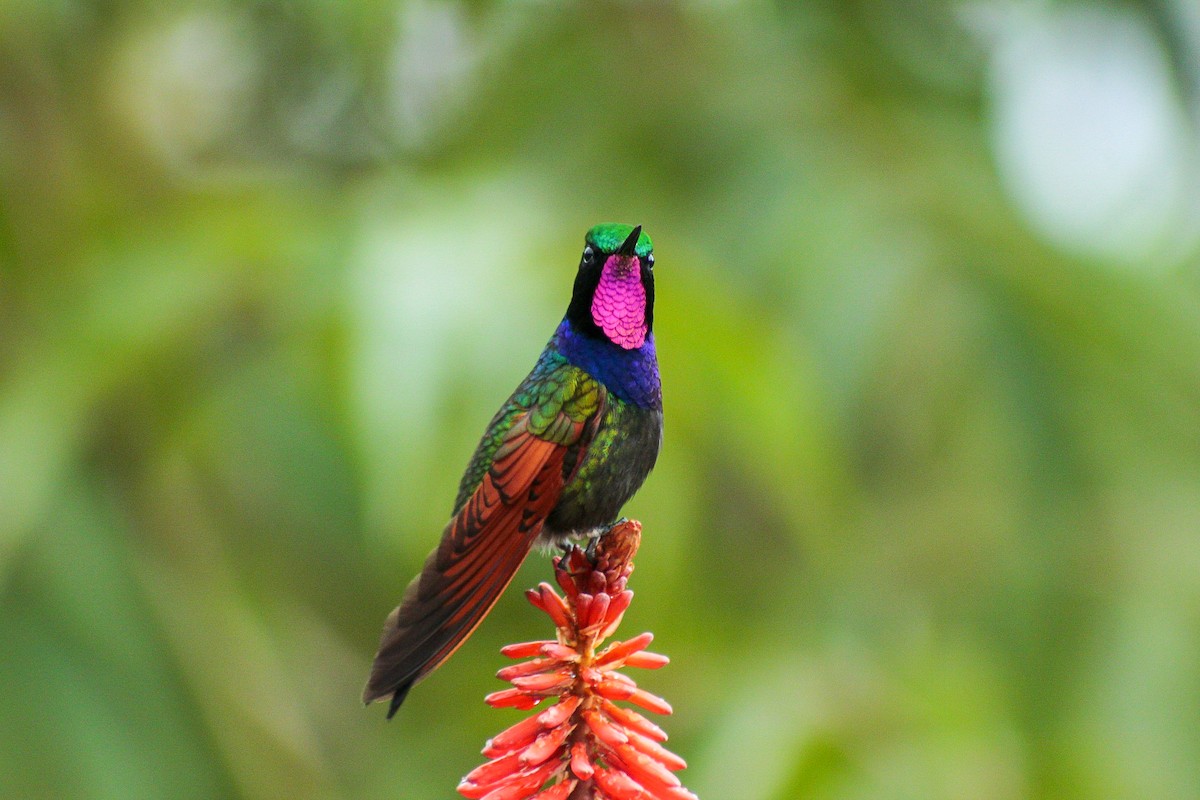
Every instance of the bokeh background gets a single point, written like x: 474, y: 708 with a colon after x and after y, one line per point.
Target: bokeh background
x: 926, y: 520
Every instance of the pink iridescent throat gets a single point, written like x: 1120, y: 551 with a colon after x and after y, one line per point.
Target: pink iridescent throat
x: 619, y: 304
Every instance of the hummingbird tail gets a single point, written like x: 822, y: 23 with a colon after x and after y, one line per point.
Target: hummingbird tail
x: 441, y: 608
x: 481, y: 550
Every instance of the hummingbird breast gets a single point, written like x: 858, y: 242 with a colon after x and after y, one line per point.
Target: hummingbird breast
x: 616, y: 462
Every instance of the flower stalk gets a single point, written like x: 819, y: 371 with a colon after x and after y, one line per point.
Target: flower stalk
x: 583, y: 746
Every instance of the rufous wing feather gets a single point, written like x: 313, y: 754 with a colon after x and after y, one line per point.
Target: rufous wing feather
x: 481, y: 549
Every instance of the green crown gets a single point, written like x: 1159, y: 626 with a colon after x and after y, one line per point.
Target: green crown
x: 611, y: 235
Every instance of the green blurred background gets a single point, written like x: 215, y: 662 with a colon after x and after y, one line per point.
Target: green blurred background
x: 925, y: 523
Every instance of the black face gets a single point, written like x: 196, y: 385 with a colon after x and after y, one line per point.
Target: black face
x: 591, y: 264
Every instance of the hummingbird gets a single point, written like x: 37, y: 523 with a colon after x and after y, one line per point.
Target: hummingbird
x: 559, y: 459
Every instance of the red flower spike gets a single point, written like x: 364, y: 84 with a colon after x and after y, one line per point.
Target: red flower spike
x: 523, y: 784
x: 634, y: 721
x: 558, y: 713
x: 615, y: 783
x: 620, y: 650
x: 598, y: 610
x: 597, y: 582
x: 511, y: 698
x: 544, y: 746
x: 561, y: 652
x: 650, y: 702
x: 656, y: 751
x: 543, y: 683
x: 535, y: 598
x: 524, y: 649
x: 493, y: 771
x: 471, y: 791
x: 553, y: 605
x: 583, y: 746
x: 581, y: 764
x: 558, y: 791
x: 617, y: 677
x: 613, y: 689
x: 616, y: 610
x: 644, y: 660
x: 562, y: 577
x: 645, y: 769
x: 518, y: 735
x: 526, y: 668
x: 604, y: 730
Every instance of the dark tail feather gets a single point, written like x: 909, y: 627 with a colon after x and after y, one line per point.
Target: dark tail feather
x: 482, y: 547
x: 444, y: 605
x: 398, y: 698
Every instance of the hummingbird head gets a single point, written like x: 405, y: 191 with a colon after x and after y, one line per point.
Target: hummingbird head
x: 614, y: 288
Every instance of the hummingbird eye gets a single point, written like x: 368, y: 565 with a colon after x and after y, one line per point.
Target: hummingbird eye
x: 650, y: 261
x: 589, y: 256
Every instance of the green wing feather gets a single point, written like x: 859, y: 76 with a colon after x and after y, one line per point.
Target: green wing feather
x: 558, y: 398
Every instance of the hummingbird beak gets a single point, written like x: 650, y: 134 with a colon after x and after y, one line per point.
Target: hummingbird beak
x: 629, y: 247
